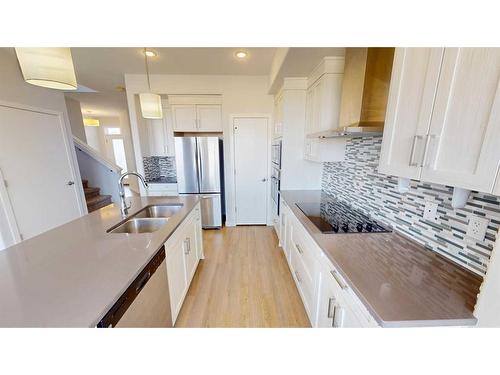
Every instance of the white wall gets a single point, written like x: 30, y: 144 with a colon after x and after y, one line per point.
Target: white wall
x: 240, y: 95
x: 14, y: 89
x: 487, y: 309
x: 75, y: 118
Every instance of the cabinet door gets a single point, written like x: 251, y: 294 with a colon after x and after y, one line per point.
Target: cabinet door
x: 463, y: 144
x: 190, y: 251
x: 414, y: 79
x: 327, y: 301
x: 184, y: 117
x: 157, y: 138
x: 209, y: 117
x: 177, y: 283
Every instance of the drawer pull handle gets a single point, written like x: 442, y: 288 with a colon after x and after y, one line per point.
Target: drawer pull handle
x: 331, y: 307
x: 298, y: 277
x: 187, y: 242
x: 338, y: 279
x: 299, y: 249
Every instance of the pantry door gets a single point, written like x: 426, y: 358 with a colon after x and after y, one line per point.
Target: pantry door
x: 251, y: 169
x: 36, y: 164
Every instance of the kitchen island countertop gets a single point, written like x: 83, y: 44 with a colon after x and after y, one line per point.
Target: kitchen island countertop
x: 72, y: 275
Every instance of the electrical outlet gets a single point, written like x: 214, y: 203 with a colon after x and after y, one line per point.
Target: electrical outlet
x: 430, y: 210
x: 477, y: 227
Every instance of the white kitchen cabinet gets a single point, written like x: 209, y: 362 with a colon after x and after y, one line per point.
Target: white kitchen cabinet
x: 176, y: 271
x: 456, y: 98
x: 334, y: 308
x: 197, y: 117
x: 415, y: 74
x: 463, y: 143
x: 184, y: 118
x: 327, y: 298
x: 160, y: 135
x: 209, y: 117
x: 183, y: 250
x: 323, y: 96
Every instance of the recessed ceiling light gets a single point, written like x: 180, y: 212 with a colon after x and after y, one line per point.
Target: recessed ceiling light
x: 241, y: 54
x: 150, y: 53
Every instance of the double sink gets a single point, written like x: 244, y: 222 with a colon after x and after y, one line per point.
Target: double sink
x: 148, y: 220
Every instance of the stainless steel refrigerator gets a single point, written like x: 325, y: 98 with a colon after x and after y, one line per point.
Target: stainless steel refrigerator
x: 199, y: 171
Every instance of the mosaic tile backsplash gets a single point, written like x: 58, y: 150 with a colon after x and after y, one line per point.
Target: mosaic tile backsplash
x: 356, y: 180
x: 160, y: 169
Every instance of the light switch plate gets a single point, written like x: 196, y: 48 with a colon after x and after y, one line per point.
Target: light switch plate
x: 477, y: 227
x: 430, y: 210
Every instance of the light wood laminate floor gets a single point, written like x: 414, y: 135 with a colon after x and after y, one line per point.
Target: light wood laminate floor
x: 244, y: 281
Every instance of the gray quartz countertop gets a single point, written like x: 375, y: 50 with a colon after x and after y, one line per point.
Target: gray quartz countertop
x: 400, y: 282
x: 72, y: 275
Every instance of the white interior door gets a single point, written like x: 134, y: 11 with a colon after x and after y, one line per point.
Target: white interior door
x: 36, y: 163
x: 251, y: 169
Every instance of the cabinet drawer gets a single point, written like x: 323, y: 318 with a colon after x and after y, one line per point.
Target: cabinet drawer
x: 305, y: 284
x: 304, y: 249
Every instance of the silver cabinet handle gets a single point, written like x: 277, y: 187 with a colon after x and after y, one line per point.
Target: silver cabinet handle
x: 413, y: 150
x: 69, y: 183
x: 299, y: 249
x: 426, y: 149
x: 187, y: 243
x: 334, y: 323
x: 337, y: 278
x: 331, y: 307
x: 297, y: 275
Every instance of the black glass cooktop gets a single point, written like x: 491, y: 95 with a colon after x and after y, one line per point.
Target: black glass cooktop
x: 333, y: 216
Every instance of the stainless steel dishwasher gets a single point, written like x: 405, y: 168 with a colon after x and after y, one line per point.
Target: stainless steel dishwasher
x: 146, y: 302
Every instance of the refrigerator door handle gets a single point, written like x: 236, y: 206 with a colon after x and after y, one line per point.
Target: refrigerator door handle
x: 198, y: 165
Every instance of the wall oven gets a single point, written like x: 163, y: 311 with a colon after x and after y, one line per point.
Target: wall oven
x: 276, y: 154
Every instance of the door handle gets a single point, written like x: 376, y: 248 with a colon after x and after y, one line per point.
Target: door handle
x: 331, y: 307
x: 338, y: 280
x: 264, y: 180
x: 426, y: 149
x: 69, y: 183
x: 413, y: 150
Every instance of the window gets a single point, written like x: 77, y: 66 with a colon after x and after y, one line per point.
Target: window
x: 112, y: 131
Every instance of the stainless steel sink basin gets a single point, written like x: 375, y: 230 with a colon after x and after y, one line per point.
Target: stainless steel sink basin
x: 140, y: 225
x: 159, y: 211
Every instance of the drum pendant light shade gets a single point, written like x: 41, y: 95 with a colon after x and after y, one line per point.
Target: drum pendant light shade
x: 151, y: 105
x: 48, y: 67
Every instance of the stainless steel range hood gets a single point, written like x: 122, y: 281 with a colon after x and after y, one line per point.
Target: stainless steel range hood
x: 365, y: 89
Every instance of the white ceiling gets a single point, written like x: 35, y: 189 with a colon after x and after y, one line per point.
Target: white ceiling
x: 103, y: 69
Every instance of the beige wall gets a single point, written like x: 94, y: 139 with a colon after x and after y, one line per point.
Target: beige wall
x: 240, y: 95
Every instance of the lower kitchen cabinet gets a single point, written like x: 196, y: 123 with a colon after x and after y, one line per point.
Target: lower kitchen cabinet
x: 327, y: 298
x: 183, y: 250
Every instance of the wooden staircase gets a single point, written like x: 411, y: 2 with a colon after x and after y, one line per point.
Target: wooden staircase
x: 93, y: 198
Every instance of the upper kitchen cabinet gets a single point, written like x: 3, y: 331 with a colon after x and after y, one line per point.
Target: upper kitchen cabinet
x: 278, y: 116
x: 454, y: 132
x: 201, y: 113
x: 415, y: 75
x: 160, y: 136
x: 184, y: 117
x: 323, y: 95
x: 209, y: 117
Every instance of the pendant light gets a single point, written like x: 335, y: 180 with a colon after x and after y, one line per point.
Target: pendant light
x: 150, y: 103
x: 91, y: 121
x: 48, y: 67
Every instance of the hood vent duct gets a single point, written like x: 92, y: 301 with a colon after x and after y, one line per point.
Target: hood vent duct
x: 365, y: 90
